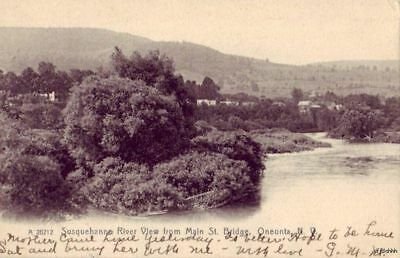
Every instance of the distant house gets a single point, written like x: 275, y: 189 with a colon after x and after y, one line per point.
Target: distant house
x: 279, y: 103
x: 330, y: 105
x: 50, y: 96
x: 339, y: 107
x: 304, y: 106
x: 315, y: 106
x: 333, y: 106
x: 248, y: 103
x: 229, y: 102
x: 208, y: 102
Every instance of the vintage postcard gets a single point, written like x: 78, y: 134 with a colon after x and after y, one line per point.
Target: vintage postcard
x: 186, y: 128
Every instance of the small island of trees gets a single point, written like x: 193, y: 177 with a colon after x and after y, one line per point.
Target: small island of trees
x: 123, y: 141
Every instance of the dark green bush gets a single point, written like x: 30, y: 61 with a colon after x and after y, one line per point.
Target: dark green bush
x: 152, y: 196
x: 196, y: 173
x: 235, y: 145
x: 35, y: 185
x: 32, y: 168
x: 123, y: 118
x: 202, y: 127
x: 128, y: 187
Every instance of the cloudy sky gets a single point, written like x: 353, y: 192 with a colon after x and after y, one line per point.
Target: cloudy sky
x: 286, y: 31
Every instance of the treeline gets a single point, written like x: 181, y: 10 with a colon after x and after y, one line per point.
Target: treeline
x: 368, y: 117
x: 45, y: 79
x: 356, y: 116
x: 123, y: 141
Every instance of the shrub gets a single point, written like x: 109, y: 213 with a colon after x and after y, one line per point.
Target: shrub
x: 358, y: 122
x: 42, y: 115
x: 32, y: 169
x: 236, y: 146
x: 119, y: 186
x: 196, y: 173
x: 35, y: 185
x: 106, y: 188
x: 125, y: 119
x: 202, y: 127
x: 45, y: 142
x: 153, y: 196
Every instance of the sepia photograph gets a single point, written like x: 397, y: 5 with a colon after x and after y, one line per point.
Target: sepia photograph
x: 187, y: 128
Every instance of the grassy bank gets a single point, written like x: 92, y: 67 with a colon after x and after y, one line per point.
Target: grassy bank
x: 284, y: 141
x: 388, y: 137
x: 379, y: 137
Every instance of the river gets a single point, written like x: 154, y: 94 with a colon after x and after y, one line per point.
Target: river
x: 346, y: 185
x: 349, y: 183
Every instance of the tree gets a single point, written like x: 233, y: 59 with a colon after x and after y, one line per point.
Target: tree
x: 113, y: 179
x: 12, y: 83
x: 326, y: 119
x: 356, y: 100
x: 63, y: 83
x: 30, y: 80
x: 32, y: 169
x: 116, y: 117
x: 78, y: 76
x: 297, y: 95
x: 46, y: 68
x: 392, y: 110
x: 208, y: 89
x: 37, y: 186
x: 47, y: 77
x: 157, y: 71
x: 197, y: 173
x: 360, y: 123
x: 51, y: 80
x: 235, y: 145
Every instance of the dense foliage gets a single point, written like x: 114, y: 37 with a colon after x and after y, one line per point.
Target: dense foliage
x: 157, y: 71
x: 119, y: 186
x: 359, y: 123
x: 262, y: 114
x: 45, y: 80
x: 236, y: 146
x: 219, y: 177
x: 125, y: 141
x: 115, y: 117
x: 359, y: 116
x: 132, y: 140
x: 33, y: 165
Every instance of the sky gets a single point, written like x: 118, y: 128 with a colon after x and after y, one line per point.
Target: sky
x: 284, y: 31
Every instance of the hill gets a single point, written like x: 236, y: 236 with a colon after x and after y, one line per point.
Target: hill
x: 90, y: 48
x: 368, y: 64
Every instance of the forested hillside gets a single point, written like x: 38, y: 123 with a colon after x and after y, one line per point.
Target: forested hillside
x: 91, y: 48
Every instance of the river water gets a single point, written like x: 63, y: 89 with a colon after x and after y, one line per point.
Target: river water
x: 349, y: 183
x: 345, y: 185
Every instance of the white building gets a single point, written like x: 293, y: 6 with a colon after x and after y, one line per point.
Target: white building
x: 248, y: 103
x: 304, y: 106
x: 230, y: 103
x: 334, y: 106
x: 208, y: 102
x: 50, y: 96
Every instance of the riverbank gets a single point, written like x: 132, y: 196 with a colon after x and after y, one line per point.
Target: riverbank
x: 222, y: 152
x: 386, y: 137
x: 279, y: 140
x: 379, y: 137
